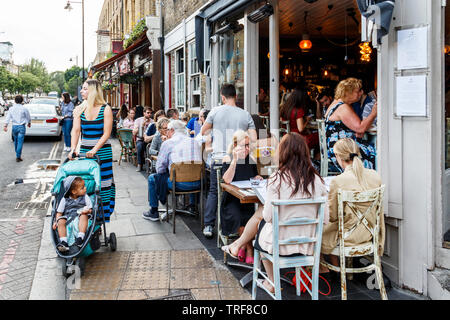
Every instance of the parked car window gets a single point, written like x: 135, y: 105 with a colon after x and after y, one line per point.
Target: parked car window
x: 42, y: 109
x: 52, y: 102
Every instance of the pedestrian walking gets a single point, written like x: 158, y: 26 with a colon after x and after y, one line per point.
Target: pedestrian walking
x: 19, y: 116
x: 94, y: 120
x: 67, y: 107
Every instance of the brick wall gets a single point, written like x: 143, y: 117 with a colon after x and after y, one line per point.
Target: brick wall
x: 177, y: 10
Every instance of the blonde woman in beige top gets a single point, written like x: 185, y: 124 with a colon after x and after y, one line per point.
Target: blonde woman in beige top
x: 354, y: 178
x: 295, y: 178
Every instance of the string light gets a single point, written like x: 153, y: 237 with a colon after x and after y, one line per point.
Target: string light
x: 365, y: 51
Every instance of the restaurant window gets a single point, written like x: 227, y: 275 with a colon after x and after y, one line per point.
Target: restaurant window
x: 194, y: 76
x: 231, y: 57
x: 179, y: 71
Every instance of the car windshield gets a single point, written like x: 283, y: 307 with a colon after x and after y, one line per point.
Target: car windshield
x: 41, y: 109
x: 52, y: 102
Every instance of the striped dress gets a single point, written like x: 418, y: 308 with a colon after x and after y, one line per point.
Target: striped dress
x: 91, y: 133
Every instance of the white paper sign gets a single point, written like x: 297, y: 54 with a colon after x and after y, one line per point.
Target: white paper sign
x: 412, y: 96
x: 412, y: 48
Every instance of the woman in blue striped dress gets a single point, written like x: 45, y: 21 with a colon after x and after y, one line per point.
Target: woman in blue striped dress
x: 94, y: 120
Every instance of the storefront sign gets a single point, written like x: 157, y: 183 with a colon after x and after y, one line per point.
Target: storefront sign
x: 117, y: 46
x: 124, y: 65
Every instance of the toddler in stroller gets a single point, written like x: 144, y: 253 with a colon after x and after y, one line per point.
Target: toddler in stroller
x: 75, y: 204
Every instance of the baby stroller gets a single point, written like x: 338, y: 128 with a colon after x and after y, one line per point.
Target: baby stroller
x: 89, y: 170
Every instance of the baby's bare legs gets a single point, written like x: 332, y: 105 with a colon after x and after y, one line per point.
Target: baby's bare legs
x: 61, y: 226
x: 83, y: 223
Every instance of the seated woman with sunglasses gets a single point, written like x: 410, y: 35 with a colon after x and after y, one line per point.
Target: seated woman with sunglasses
x: 238, y: 165
x: 295, y: 179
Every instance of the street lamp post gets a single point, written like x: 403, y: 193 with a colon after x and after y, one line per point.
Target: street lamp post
x: 69, y: 7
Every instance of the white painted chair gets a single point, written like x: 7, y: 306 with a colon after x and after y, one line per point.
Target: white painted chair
x: 297, y: 262
x: 351, y: 199
x: 324, y: 161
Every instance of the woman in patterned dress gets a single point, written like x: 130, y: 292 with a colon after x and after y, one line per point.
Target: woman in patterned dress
x: 342, y: 122
x: 94, y: 120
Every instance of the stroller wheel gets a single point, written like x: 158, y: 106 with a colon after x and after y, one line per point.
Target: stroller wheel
x: 112, y: 241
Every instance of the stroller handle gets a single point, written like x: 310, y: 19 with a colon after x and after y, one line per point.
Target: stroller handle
x: 82, y: 156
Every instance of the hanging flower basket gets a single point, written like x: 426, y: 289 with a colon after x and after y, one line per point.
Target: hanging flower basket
x: 137, y: 31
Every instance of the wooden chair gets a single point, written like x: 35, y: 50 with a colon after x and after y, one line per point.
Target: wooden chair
x: 324, y: 161
x: 351, y: 198
x: 127, y: 144
x: 184, y: 172
x: 297, y: 262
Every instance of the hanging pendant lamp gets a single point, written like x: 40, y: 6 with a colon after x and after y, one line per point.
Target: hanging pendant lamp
x: 306, y: 44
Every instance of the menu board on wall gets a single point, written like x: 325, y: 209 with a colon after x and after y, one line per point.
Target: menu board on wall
x: 412, y: 49
x: 412, y: 96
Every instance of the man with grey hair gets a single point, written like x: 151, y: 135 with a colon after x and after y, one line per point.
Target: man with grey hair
x: 179, y: 147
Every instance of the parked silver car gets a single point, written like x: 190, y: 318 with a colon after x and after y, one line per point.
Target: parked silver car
x: 45, y: 120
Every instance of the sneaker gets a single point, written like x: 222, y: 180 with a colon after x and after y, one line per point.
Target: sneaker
x: 208, y: 231
x: 151, y: 215
x: 79, y: 242
x: 139, y: 168
x: 62, y: 246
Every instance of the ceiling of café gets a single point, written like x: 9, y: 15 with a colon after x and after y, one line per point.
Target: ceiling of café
x: 329, y: 15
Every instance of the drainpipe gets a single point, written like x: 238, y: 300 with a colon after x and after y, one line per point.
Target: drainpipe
x: 161, y: 43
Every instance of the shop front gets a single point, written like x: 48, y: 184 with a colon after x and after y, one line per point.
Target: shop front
x: 316, y: 44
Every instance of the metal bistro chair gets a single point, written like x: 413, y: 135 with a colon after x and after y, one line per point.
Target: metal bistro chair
x: 150, y: 160
x: 127, y: 144
x: 284, y: 130
x: 350, y: 198
x: 266, y: 121
x: 297, y: 262
x: 324, y: 161
x: 184, y: 172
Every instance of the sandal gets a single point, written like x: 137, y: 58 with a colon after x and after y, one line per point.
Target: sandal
x: 226, y: 249
x: 249, y: 260
x: 265, y: 285
x: 242, y: 255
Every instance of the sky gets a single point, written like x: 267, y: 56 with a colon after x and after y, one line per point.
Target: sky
x: 42, y: 29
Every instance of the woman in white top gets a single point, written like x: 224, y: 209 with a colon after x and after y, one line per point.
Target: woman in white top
x: 295, y: 178
x: 128, y: 123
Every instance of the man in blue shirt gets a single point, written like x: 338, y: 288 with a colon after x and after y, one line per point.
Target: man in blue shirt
x: 363, y: 100
x: 20, y: 116
x: 195, y: 124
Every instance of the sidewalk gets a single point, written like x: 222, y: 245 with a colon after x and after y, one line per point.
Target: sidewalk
x: 151, y: 262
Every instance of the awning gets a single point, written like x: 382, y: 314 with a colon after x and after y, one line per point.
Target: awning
x: 220, y: 9
x: 137, y: 45
x: 380, y: 12
x: 231, y: 10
